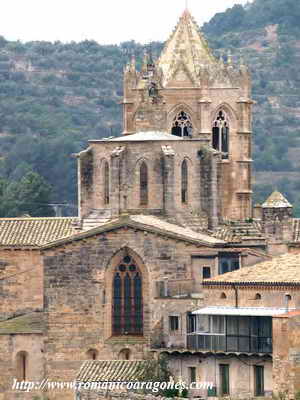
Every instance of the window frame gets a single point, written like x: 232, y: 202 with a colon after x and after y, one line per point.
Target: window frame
x: 174, y: 318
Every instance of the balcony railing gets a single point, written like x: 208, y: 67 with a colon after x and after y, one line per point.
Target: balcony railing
x: 229, y: 343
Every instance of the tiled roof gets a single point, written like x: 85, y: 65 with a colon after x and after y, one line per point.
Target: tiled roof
x: 33, y: 232
x: 147, y: 224
x: 29, y: 323
x: 276, y: 200
x: 176, y: 229
x: 115, y: 371
x: 239, y: 231
x: 277, y: 271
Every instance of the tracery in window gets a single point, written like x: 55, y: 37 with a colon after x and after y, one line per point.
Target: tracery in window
x: 220, y: 134
x: 143, y: 184
x: 106, y: 183
x: 184, y: 182
x: 182, y: 125
x: 127, y: 299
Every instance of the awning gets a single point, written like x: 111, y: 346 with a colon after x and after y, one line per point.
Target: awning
x: 242, y: 311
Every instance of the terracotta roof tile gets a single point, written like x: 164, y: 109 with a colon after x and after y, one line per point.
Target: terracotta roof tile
x: 115, y: 371
x: 279, y: 270
x: 34, y: 231
x: 238, y: 231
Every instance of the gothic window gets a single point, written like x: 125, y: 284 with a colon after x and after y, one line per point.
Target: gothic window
x: 143, y: 184
x: 21, y: 364
x: 184, y: 182
x: 220, y: 134
x: 106, y: 183
x: 182, y: 125
x: 127, y: 299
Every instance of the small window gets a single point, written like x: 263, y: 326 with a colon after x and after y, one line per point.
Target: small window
x: 92, y: 354
x: 174, y: 323
x: 228, y: 262
x: 223, y: 296
x: 125, y: 354
x: 21, y: 365
x: 288, y: 297
x: 192, y: 374
x: 206, y: 274
x: 258, y: 296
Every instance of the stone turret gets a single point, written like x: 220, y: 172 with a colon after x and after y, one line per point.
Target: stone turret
x: 277, y: 215
x: 276, y: 207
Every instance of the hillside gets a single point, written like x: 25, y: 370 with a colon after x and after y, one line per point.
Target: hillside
x: 55, y: 96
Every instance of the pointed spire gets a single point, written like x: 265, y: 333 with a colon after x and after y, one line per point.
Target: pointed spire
x: 187, y: 45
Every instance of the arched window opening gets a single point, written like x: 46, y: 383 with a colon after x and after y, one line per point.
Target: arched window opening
x: 223, y: 296
x: 125, y: 354
x: 182, y: 125
x: 92, y: 354
x: 127, y: 299
x: 144, y: 184
x: 21, y: 364
x: 258, y: 296
x: 184, y: 182
x: 288, y: 297
x: 220, y: 134
x: 106, y: 183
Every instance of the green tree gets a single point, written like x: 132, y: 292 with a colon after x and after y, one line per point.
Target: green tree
x: 30, y: 195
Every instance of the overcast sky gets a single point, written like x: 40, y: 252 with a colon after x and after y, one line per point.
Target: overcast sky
x: 106, y: 21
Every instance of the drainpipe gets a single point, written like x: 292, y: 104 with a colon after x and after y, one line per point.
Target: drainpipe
x: 236, y: 295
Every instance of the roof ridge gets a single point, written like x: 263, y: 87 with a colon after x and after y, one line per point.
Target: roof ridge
x: 35, y: 218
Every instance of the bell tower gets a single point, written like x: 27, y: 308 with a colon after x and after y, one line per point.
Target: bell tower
x: 189, y: 93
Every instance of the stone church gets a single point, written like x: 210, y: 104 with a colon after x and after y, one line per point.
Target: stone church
x: 165, y: 233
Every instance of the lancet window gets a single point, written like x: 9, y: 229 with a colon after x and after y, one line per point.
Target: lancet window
x: 220, y: 134
x: 127, y: 299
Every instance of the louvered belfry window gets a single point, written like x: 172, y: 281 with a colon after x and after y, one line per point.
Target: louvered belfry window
x: 220, y: 134
x: 127, y: 299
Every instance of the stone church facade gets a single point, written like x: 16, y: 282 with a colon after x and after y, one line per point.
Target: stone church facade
x: 162, y: 208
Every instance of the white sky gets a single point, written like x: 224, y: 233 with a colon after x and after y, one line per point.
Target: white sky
x: 106, y: 21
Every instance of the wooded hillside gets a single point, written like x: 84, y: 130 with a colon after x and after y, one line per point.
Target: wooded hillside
x: 55, y: 96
